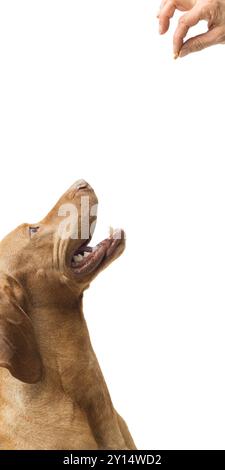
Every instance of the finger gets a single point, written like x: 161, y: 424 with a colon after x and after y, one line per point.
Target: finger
x: 201, y: 41
x: 186, y: 21
x: 161, y: 6
x: 166, y: 13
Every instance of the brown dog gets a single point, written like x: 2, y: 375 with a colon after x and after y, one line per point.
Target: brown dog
x: 52, y: 392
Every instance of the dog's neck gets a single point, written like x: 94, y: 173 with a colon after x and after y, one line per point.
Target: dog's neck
x: 64, y: 343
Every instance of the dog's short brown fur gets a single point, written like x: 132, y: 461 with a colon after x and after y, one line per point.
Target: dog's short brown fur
x: 52, y: 392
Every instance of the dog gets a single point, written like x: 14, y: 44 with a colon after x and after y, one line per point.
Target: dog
x: 52, y: 391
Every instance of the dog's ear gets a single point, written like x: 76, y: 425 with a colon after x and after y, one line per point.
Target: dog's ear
x: 18, y: 347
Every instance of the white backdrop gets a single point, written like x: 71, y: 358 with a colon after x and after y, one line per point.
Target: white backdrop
x: 89, y: 90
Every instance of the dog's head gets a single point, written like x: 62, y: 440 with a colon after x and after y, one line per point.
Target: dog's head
x: 48, y: 262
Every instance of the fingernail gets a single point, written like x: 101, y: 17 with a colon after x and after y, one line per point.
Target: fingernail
x: 160, y: 29
x: 175, y: 55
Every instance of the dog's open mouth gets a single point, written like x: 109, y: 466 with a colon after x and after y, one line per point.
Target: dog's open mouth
x: 87, y: 259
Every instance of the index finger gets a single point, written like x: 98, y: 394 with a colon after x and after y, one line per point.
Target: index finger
x: 165, y: 14
x: 186, y: 21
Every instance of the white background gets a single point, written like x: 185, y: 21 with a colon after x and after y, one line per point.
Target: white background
x: 88, y: 89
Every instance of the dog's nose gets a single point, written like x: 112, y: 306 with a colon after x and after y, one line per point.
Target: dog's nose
x: 81, y: 184
x: 79, y: 188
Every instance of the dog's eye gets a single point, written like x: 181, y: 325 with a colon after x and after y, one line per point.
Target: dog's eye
x: 33, y: 230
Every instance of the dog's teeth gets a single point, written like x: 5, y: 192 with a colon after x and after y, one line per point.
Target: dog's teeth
x: 78, y: 258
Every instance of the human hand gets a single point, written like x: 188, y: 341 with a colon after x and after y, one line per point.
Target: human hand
x: 213, y: 11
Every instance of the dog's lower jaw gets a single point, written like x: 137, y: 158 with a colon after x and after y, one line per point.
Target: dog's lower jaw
x: 71, y: 406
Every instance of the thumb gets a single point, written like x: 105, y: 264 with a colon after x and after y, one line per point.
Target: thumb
x: 201, y: 41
